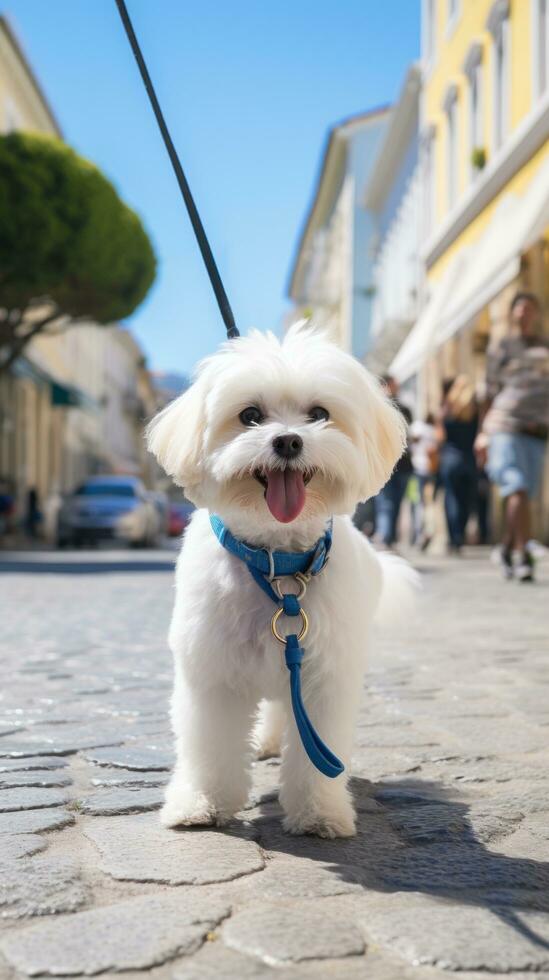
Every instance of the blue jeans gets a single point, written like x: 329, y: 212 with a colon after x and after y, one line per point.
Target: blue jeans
x: 515, y: 462
x: 387, y: 507
x: 459, y: 478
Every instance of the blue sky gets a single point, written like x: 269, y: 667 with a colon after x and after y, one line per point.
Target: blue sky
x: 249, y: 89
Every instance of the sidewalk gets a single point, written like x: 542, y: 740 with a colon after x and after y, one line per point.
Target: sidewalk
x: 449, y: 871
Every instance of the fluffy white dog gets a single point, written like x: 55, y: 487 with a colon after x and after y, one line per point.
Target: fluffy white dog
x: 276, y: 438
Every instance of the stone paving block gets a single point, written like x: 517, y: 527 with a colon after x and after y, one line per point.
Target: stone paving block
x: 446, y: 867
x: 12, y: 780
x: 7, y: 729
x: 19, y: 749
x: 379, y: 763
x: 66, y: 740
x: 132, y: 757
x: 399, y: 737
x: 41, y: 886
x: 216, y: 961
x: 31, y: 798
x: 292, y: 932
x: 375, y: 852
x: 138, y: 848
x: 486, y: 770
x: 286, y: 878
x: 490, y: 821
x: 122, y: 799
x: 136, y: 934
x: 453, y: 936
x: 34, y: 821
x: 527, y: 842
x: 20, y: 845
x: 32, y: 763
x: 435, y: 821
x: 128, y: 777
x: 453, y: 822
x: 490, y: 736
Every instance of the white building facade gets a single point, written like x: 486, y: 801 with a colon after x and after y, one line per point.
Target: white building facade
x: 394, y: 195
x: 331, y: 275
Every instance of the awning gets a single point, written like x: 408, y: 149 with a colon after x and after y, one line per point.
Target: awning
x: 420, y: 341
x: 60, y: 393
x: 486, y: 267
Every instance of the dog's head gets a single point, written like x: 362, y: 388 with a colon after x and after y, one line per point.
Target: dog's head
x: 284, y: 431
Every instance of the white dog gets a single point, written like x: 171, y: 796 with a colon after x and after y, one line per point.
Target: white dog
x: 276, y: 438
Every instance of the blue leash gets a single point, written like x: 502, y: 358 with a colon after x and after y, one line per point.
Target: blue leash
x: 267, y: 567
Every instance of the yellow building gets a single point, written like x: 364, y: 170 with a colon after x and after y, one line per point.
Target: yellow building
x: 485, y: 151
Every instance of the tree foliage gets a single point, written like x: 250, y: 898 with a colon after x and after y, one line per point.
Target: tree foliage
x: 65, y: 236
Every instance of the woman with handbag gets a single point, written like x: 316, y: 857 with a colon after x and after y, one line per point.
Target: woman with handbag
x: 457, y: 430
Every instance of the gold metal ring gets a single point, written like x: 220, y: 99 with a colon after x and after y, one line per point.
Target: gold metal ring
x: 304, y: 625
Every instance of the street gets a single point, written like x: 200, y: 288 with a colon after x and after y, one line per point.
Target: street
x: 450, y: 868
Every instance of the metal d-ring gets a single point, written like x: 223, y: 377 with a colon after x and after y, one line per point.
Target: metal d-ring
x: 299, y: 577
x: 304, y: 625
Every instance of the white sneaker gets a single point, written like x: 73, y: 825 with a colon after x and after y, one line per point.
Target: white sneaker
x: 525, y: 568
x: 503, y: 558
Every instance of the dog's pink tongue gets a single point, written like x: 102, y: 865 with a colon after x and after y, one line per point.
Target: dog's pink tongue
x: 285, y: 494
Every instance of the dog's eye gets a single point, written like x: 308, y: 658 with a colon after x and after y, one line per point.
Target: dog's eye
x: 318, y: 414
x: 251, y: 415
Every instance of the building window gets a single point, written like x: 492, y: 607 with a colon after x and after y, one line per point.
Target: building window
x: 428, y: 196
x: 429, y: 31
x: 453, y: 10
x: 475, y: 117
x: 540, y: 46
x: 12, y: 117
x: 452, y: 144
x: 472, y: 68
x: 499, y: 26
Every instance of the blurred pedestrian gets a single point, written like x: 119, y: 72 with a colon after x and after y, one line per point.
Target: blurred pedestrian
x: 425, y: 462
x: 458, y: 426
x: 389, y: 500
x: 515, y: 427
x: 7, y: 507
x: 32, y: 513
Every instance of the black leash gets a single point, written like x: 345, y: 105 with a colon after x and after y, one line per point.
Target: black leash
x: 198, y: 228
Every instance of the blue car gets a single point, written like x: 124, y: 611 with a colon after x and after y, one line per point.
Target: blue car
x: 118, y: 508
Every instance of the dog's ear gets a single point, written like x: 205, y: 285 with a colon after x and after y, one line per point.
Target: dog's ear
x: 175, y: 436
x: 385, y: 436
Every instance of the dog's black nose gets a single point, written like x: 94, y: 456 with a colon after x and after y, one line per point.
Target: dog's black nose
x: 288, y: 447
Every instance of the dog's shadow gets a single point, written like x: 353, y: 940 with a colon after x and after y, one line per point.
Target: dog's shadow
x: 411, y: 836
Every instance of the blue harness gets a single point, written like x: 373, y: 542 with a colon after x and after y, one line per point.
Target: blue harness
x: 267, y: 568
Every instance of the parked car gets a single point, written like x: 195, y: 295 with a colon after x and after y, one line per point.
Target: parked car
x: 179, y: 516
x: 108, y: 507
x: 162, y: 508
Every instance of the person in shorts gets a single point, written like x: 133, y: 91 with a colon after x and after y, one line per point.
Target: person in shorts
x: 515, y: 427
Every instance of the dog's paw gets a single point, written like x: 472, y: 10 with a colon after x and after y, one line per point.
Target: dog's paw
x: 340, y: 824
x: 187, y: 810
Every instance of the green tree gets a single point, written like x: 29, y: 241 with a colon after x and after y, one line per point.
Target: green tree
x: 69, y: 247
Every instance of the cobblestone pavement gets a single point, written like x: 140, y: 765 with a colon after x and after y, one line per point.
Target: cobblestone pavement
x: 449, y: 871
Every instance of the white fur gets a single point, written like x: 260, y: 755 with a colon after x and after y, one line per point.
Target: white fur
x: 226, y: 660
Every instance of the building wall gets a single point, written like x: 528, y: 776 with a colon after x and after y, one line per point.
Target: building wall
x: 364, y: 146
x: 394, y: 195
x: 22, y: 104
x: 332, y: 277
x: 447, y: 69
x: 397, y: 271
